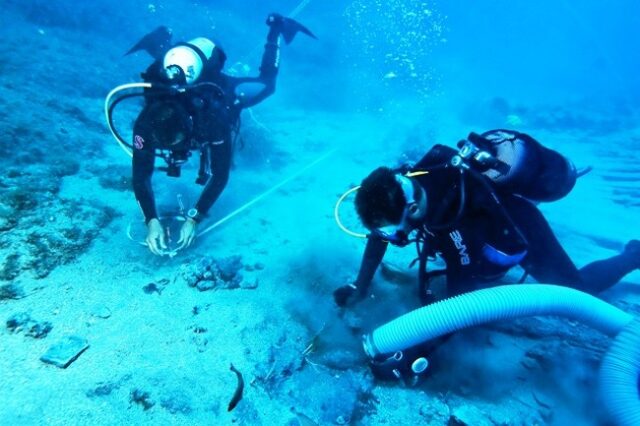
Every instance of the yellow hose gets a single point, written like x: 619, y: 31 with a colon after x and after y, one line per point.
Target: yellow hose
x: 336, y: 214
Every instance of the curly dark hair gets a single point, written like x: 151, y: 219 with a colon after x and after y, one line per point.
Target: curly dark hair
x: 380, y: 199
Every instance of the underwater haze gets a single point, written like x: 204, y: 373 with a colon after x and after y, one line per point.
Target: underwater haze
x: 241, y: 327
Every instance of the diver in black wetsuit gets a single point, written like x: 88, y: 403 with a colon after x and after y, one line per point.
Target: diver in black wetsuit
x: 201, y: 113
x: 474, y: 211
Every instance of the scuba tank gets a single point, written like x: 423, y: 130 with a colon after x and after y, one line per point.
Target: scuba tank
x: 519, y: 164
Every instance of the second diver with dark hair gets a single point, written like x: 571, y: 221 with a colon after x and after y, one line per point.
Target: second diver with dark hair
x: 474, y: 208
x: 196, y: 108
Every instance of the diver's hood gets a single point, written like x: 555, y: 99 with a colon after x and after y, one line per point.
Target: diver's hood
x: 190, y: 58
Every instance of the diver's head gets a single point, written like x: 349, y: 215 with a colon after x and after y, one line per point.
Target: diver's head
x: 185, y: 62
x: 391, y: 205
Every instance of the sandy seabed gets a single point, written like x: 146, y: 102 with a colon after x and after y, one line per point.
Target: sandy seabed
x: 160, y: 350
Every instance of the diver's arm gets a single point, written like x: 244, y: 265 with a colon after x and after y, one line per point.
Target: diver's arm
x: 142, y: 170
x: 218, y: 159
x: 371, y: 259
x: 268, y: 70
x: 373, y: 255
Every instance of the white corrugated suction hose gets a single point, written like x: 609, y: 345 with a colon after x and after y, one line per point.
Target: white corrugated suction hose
x: 620, y: 371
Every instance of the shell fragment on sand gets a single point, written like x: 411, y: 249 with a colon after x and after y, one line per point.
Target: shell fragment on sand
x: 67, y: 350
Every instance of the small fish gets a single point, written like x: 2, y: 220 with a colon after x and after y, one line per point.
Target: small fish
x: 237, y: 395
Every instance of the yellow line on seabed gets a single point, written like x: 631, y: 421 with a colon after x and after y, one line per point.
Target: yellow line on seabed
x: 267, y: 192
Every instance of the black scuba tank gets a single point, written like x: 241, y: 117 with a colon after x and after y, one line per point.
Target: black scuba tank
x: 535, y: 172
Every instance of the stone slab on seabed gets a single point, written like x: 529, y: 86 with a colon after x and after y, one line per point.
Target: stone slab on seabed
x: 67, y: 350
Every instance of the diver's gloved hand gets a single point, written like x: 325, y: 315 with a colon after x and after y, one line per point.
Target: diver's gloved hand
x: 187, y: 233
x: 346, y: 295
x: 286, y: 27
x: 275, y: 20
x: 155, y: 237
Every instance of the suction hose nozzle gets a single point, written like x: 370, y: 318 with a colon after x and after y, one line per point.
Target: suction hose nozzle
x: 620, y: 372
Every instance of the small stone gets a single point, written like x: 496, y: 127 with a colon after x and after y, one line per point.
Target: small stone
x: 66, y: 351
x: 249, y: 285
x: 32, y: 328
x: 10, y: 291
x: 103, y: 389
x: 143, y: 398
x: 236, y: 282
x: 17, y: 321
x: 39, y: 330
x: 229, y: 267
x: 205, y: 285
x: 342, y: 420
x: 101, y: 311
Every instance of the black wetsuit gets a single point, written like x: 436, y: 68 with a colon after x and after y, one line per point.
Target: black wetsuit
x: 494, y: 232
x: 213, y: 117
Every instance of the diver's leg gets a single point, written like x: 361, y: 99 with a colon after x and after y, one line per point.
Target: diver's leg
x: 373, y: 254
x: 602, y: 274
x: 548, y: 262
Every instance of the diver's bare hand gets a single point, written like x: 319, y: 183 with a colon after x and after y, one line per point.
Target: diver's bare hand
x: 155, y: 237
x: 187, y: 233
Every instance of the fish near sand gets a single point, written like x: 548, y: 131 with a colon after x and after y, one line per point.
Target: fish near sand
x: 237, y: 395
